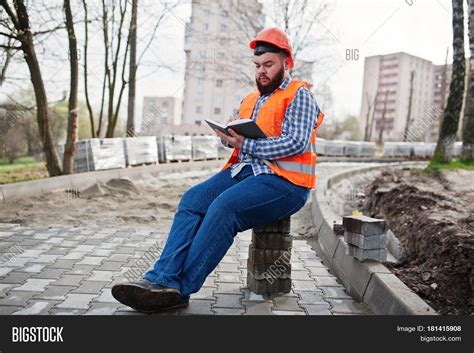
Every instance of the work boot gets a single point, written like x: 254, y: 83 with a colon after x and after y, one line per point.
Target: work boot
x: 148, y: 297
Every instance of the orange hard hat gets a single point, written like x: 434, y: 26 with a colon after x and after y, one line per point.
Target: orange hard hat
x: 276, y: 37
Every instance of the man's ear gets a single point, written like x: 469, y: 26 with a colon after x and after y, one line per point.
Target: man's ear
x: 286, y: 63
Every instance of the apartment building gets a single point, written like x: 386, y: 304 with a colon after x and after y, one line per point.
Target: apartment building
x: 219, y: 70
x: 387, y: 88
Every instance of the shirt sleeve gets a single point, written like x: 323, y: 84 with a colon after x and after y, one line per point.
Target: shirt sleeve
x: 300, y: 119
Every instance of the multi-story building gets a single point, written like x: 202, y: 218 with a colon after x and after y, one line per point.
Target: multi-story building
x: 219, y: 68
x: 387, y: 88
x: 159, y: 112
x: 441, y: 81
x: 303, y: 71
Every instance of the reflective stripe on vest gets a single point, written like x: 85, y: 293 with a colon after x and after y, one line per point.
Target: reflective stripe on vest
x: 296, y: 167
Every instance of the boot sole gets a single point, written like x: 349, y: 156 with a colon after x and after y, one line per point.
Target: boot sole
x: 146, y: 300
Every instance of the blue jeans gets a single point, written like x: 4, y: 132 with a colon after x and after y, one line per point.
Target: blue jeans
x: 209, y: 216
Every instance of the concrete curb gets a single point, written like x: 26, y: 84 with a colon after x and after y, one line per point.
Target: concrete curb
x: 84, y: 180
x: 370, y: 282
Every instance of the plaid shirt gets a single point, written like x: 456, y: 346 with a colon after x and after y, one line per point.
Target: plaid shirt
x: 298, y: 124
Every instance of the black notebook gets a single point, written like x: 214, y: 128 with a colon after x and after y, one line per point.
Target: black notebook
x: 244, y: 127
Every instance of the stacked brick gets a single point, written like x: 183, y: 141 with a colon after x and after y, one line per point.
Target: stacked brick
x: 366, y: 237
x: 268, y: 265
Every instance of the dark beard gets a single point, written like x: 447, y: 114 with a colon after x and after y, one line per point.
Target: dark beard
x: 273, y: 85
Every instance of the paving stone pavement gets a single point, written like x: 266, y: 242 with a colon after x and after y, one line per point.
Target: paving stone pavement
x: 69, y: 271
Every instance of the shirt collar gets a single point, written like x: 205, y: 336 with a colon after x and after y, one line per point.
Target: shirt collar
x: 285, y: 82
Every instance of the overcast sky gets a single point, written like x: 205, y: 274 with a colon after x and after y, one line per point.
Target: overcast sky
x: 372, y: 27
x: 378, y: 27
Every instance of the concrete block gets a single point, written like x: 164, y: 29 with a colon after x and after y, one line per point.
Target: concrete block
x: 271, y: 241
x: 174, y: 148
x: 267, y: 256
x: 320, y: 146
x: 364, y: 225
x: 273, y: 271
x: 282, y: 285
x: 140, y: 150
x: 367, y: 254
x: 334, y: 148
x: 22, y: 189
x: 281, y: 226
x: 352, y: 148
x: 387, y: 295
x: 366, y: 242
x: 338, y: 229
x: 205, y: 147
x: 457, y: 149
x: 397, y: 149
x: 421, y: 149
x: 367, y: 149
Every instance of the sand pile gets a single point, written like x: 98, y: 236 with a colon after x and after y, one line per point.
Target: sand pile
x: 112, y: 187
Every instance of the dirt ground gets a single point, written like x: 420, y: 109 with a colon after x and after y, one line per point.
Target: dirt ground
x: 139, y: 204
x: 432, y: 216
x: 119, y: 202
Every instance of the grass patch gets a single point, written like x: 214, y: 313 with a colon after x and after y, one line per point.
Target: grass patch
x: 23, y: 169
x: 456, y: 164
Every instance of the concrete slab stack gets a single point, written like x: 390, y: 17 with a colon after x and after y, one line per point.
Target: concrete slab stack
x: 140, y: 150
x: 205, y: 147
x: 97, y: 154
x: 366, y: 237
x: 457, y: 149
x: 397, y: 149
x: 320, y: 146
x: 422, y: 149
x: 352, y: 148
x: 334, y: 148
x: 367, y: 149
x: 268, y: 265
x: 174, y: 148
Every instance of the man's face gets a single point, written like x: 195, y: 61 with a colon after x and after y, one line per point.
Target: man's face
x: 269, y: 71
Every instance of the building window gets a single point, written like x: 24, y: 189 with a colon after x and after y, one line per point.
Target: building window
x: 198, y: 109
x: 218, y: 83
x: 217, y: 111
x: 223, y: 27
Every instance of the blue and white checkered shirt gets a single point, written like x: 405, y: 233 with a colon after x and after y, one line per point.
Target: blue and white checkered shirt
x: 298, y: 124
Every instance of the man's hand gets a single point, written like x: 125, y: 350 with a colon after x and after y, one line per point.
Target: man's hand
x: 235, y: 140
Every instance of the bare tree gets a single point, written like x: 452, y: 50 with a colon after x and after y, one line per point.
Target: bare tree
x: 71, y: 137
x: 372, y: 119
x: 117, y: 26
x: 468, y: 130
x: 410, y: 101
x: 21, y: 33
x: 6, y: 59
x: 382, y: 119
x: 85, y: 68
x: 449, y: 126
x: 367, y: 120
x: 132, y: 70
x: 117, y: 63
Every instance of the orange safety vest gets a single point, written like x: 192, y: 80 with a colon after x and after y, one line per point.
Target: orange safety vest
x: 299, y: 169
